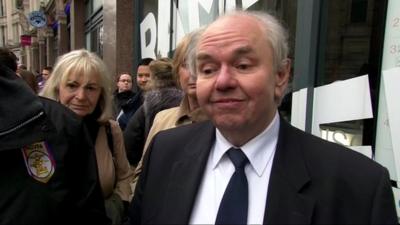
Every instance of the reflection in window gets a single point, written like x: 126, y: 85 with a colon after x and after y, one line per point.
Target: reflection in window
x: 2, y: 37
x: 94, y: 26
x: 2, y: 13
x: 97, y: 4
x: 359, y: 11
x: 349, y: 133
x: 346, y: 47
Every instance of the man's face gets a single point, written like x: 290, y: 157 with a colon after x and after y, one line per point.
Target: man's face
x: 124, y: 83
x: 45, y: 74
x: 236, y: 85
x: 143, y: 76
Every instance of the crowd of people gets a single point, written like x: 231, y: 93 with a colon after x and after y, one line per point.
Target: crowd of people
x: 196, y: 139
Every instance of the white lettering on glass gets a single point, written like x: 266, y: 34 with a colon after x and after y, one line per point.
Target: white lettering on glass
x: 148, y: 25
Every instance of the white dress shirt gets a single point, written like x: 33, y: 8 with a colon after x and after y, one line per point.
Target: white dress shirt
x: 260, y: 151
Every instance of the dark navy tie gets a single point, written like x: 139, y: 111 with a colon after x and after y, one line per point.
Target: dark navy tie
x: 234, y: 205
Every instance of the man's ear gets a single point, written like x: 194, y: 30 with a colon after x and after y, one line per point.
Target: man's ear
x: 282, y: 79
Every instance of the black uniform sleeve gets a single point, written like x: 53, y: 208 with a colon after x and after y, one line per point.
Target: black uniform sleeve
x: 84, y: 174
x: 134, y: 137
x: 135, y: 209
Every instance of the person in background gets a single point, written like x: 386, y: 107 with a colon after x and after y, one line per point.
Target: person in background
x: 48, y: 167
x: 81, y: 82
x: 44, y: 76
x: 247, y: 165
x: 30, y: 79
x: 21, y: 67
x: 8, y: 59
x: 162, y: 94
x: 143, y: 74
x: 188, y: 111
x: 126, y: 102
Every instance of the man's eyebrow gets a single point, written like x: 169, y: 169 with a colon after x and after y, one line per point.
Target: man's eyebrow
x: 243, y: 50
x: 203, y: 56
x: 237, y: 52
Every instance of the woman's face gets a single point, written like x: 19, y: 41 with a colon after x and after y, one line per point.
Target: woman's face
x: 80, y: 95
x: 188, y: 84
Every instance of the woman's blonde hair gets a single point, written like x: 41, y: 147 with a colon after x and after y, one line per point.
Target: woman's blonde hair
x: 182, y: 53
x: 180, y: 56
x: 86, y: 64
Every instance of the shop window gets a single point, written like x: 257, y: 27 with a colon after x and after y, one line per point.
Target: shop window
x: 359, y: 11
x: 89, y: 9
x: 94, y: 26
x: 345, y: 49
x: 350, y: 47
x: 19, y: 4
x: 97, y: 4
x: 2, y: 36
x: 349, y: 133
x: 93, y: 7
x: 94, y: 40
x: 2, y: 8
x: 15, y: 33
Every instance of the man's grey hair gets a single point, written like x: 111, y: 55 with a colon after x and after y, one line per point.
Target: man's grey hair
x: 191, y: 51
x: 275, y: 34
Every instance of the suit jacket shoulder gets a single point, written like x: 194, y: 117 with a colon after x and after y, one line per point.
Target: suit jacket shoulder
x: 172, y: 171
x: 315, y: 181
x: 312, y: 181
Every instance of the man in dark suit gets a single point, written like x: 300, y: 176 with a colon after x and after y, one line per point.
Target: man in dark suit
x: 248, y: 165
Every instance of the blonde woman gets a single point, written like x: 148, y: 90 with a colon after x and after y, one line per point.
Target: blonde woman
x: 81, y: 82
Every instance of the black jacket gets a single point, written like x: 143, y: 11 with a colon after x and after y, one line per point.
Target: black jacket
x: 48, y: 171
x: 139, y: 125
x: 128, y: 102
x: 312, y: 181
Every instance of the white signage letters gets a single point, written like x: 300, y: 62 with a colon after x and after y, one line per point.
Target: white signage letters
x: 155, y: 36
x: 148, y: 25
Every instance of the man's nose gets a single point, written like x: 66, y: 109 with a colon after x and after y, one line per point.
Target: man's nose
x: 225, y: 79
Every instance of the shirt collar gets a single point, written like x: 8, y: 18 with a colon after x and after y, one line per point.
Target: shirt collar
x: 259, y: 150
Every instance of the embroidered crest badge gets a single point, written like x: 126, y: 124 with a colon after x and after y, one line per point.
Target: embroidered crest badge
x: 39, y: 161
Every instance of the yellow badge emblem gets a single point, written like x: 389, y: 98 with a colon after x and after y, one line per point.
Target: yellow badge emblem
x: 39, y: 161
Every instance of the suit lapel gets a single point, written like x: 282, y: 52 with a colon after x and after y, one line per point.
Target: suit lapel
x: 186, y: 175
x: 289, y: 177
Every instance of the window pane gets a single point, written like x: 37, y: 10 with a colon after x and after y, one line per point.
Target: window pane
x: 359, y: 11
x: 346, y: 46
x: 97, y: 4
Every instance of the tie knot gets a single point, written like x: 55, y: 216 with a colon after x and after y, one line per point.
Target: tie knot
x: 238, y: 158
